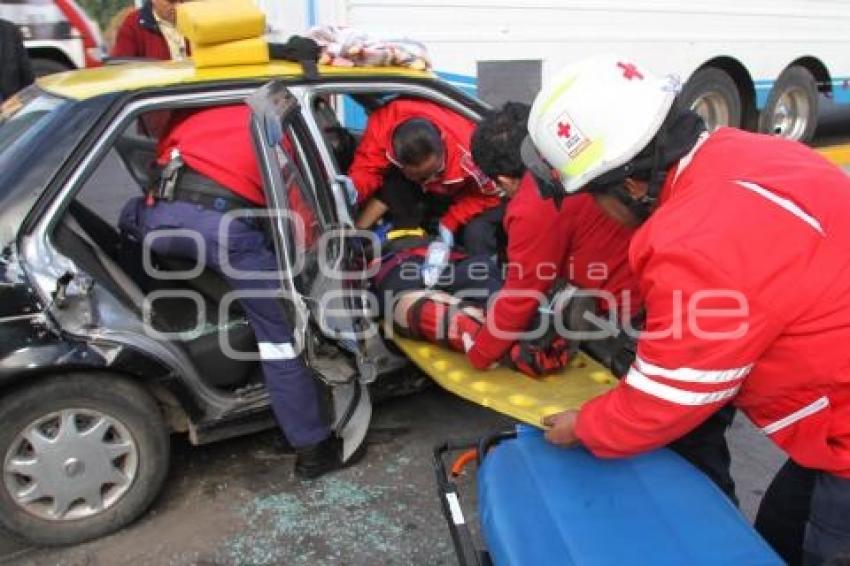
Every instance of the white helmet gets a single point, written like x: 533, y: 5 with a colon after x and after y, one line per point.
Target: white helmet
x: 595, y: 115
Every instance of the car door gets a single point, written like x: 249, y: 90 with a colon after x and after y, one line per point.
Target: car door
x: 322, y: 266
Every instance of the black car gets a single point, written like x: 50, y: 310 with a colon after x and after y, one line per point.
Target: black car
x: 105, y: 350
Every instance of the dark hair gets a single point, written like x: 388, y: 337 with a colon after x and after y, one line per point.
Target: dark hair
x: 497, y: 139
x: 416, y: 140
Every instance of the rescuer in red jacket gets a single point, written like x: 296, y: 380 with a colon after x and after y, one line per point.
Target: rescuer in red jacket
x: 574, y: 242
x: 210, y: 172
x: 429, y: 144
x: 590, y: 250
x: 744, y: 266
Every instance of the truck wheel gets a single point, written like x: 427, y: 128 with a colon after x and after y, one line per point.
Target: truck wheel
x: 83, y: 455
x: 792, y: 107
x: 712, y: 94
x: 42, y: 67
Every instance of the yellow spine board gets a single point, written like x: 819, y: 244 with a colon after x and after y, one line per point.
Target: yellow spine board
x: 243, y: 52
x: 509, y: 392
x: 219, y: 21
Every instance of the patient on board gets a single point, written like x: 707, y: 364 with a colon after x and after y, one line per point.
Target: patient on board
x: 434, y: 293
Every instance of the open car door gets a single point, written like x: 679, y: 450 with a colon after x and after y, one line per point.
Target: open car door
x: 322, y: 301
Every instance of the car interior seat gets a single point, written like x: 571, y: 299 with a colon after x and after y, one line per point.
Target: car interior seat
x: 115, y: 262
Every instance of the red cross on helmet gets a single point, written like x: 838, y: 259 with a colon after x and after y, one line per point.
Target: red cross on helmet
x: 595, y: 115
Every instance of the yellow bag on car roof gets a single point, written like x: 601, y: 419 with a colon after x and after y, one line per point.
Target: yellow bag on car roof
x: 253, y: 51
x: 219, y: 21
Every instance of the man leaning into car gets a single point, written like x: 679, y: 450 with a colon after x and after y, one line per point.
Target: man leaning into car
x: 209, y: 169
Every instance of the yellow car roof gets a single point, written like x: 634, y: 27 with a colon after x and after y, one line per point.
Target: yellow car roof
x: 86, y: 83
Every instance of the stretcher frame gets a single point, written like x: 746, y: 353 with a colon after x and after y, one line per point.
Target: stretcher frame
x: 468, y: 554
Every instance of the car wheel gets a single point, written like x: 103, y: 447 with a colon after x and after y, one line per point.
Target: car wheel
x: 83, y: 455
x: 792, y: 107
x: 42, y: 67
x: 712, y: 94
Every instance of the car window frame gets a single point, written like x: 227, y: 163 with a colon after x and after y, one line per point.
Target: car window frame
x: 42, y: 261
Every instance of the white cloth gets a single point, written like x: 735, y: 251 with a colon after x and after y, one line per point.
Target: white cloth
x: 176, y: 42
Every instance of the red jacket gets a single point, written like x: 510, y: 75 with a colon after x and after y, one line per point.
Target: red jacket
x: 472, y: 191
x: 139, y: 36
x: 758, y: 229
x: 578, y: 243
x: 216, y: 142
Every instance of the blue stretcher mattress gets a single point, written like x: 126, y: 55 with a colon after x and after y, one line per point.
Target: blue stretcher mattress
x: 540, y: 504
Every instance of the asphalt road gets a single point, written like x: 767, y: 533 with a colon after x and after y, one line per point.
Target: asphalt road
x: 236, y: 502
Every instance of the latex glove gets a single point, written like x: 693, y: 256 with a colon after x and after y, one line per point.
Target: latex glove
x: 446, y: 236
x: 436, y: 260
x: 381, y: 231
x: 350, y: 190
x: 561, y: 428
x: 468, y: 342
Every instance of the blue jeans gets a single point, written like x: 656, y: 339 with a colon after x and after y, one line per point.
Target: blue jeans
x: 293, y: 391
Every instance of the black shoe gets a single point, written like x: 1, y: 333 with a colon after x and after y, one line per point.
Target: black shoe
x: 326, y: 456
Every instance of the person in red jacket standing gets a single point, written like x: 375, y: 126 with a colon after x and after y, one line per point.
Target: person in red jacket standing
x: 210, y: 169
x: 575, y: 242
x: 429, y: 145
x: 149, y: 32
x: 743, y: 263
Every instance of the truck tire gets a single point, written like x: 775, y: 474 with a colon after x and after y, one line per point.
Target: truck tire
x: 82, y: 454
x: 713, y: 94
x: 792, y: 107
x: 42, y: 67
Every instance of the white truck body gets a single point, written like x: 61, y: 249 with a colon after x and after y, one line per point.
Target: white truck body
x: 752, y: 41
x: 55, y: 42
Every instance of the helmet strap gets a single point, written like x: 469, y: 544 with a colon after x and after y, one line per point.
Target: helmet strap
x: 550, y: 189
x: 639, y: 207
x: 676, y: 137
x: 657, y: 176
x: 642, y: 207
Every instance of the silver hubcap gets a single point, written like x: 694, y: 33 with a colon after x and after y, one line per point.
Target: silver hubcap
x: 70, y: 465
x: 791, y: 115
x: 713, y: 109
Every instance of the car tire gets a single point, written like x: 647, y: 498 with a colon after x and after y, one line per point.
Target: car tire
x: 713, y: 94
x: 792, y: 106
x: 107, y: 425
x: 42, y: 67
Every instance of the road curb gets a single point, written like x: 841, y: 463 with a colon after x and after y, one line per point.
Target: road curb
x: 839, y: 154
